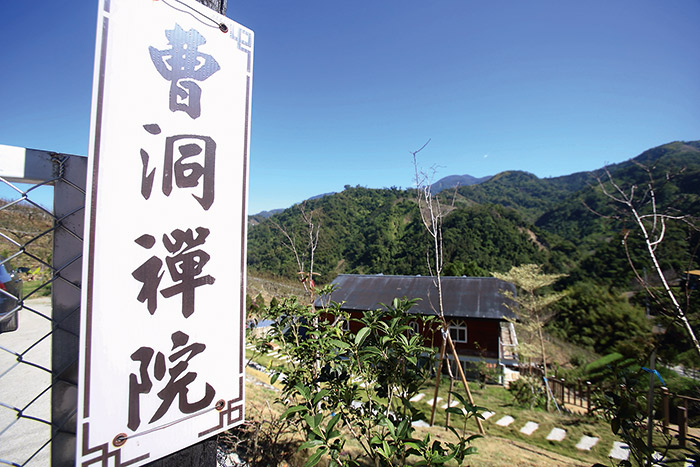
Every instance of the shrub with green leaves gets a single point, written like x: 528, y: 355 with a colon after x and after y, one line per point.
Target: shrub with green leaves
x: 342, y: 386
x: 624, y: 404
x: 527, y: 392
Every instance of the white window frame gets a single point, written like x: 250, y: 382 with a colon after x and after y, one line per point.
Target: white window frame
x: 415, y: 326
x: 455, y: 331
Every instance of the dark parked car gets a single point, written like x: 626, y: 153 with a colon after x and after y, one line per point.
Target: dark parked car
x: 10, y: 290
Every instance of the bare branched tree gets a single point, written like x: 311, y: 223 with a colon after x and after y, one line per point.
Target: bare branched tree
x: 431, y: 213
x: 640, y: 205
x: 308, y: 250
x: 313, y: 227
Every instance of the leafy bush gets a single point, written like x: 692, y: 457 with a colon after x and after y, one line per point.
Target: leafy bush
x: 344, y: 386
x: 625, y: 406
x: 592, y: 316
x: 528, y: 392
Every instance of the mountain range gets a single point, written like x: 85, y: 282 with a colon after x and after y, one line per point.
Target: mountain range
x: 566, y: 224
x: 494, y: 222
x: 453, y: 181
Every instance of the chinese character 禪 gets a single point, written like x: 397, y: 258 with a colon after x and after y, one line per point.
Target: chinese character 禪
x: 184, y: 265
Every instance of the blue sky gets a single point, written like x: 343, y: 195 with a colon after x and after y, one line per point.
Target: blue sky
x: 343, y: 91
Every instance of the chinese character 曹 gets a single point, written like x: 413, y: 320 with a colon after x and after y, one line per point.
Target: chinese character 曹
x: 182, y: 64
x: 175, y: 387
x: 184, y: 265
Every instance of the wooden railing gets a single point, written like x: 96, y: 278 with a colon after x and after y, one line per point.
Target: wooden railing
x: 671, y: 407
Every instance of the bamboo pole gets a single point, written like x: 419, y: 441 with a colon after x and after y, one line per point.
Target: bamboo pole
x: 449, y: 401
x: 464, y: 380
x: 650, y: 407
x: 437, y: 381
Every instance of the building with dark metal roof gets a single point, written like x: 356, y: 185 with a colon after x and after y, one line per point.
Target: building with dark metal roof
x: 462, y: 297
x: 478, y: 314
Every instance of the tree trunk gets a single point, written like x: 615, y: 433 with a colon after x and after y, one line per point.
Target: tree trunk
x: 544, y: 360
x: 680, y: 313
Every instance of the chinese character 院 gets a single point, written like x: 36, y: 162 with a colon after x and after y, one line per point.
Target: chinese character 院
x: 183, y: 64
x: 184, y: 265
x: 187, y: 160
x: 177, y: 385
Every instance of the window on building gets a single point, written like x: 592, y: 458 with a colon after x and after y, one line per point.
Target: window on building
x: 415, y: 325
x: 458, y: 333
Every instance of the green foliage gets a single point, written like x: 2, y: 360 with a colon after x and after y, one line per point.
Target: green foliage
x: 497, y: 239
x: 379, y: 231
x: 625, y: 406
x: 605, y: 369
x: 532, y: 304
x: 672, y: 342
x: 675, y: 167
x: 362, y: 230
x: 513, y: 219
x: 527, y: 391
x: 522, y: 191
x: 625, y: 409
x: 602, y: 362
x: 345, y: 386
x: 591, y: 316
x: 254, y: 306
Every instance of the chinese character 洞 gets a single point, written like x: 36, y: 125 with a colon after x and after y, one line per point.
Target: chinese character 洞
x: 177, y: 385
x: 188, y: 160
x: 182, y: 64
x: 184, y: 263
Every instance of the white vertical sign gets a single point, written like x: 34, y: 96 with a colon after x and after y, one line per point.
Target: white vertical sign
x: 162, y: 330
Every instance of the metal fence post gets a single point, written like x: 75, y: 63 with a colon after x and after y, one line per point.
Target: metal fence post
x: 69, y: 207
x: 67, y: 174
x: 203, y: 453
x: 664, y: 404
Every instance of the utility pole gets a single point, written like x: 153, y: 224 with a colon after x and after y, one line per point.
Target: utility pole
x: 66, y: 300
x: 203, y: 453
x: 218, y: 6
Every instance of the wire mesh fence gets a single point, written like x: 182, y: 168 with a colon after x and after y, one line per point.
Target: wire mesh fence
x: 41, y: 218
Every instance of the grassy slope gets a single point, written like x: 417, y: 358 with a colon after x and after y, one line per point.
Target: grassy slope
x: 29, y: 227
x: 501, y: 446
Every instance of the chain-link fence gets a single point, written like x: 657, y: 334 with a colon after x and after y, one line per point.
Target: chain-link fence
x: 41, y: 225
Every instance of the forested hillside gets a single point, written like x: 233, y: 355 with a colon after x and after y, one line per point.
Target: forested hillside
x: 521, y: 191
x: 513, y: 218
x: 371, y: 231
x: 565, y: 223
